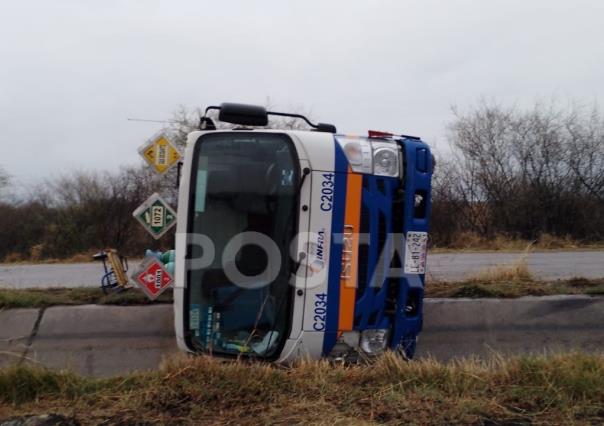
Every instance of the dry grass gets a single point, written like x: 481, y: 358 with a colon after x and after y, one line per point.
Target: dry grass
x: 511, y: 281
x: 464, y: 241
x: 514, y: 288
x: 517, y: 271
x: 34, y: 258
x: 505, y: 281
x: 470, y: 241
x: 560, y: 389
x: 497, y: 283
x: 39, y: 298
x: 18, y: 259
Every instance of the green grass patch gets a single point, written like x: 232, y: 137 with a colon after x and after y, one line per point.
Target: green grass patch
x: 557, y: 389
x: 39, y: 298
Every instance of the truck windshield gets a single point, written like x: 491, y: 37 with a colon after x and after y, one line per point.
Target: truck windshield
x: 243, y: 190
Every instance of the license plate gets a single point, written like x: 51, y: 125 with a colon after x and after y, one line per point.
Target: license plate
x: 415, y: 254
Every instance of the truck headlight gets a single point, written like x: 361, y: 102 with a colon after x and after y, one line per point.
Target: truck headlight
x: 374, y: 342
x: 385, y: 159
x: 380, y: 158
x: 358, y: 154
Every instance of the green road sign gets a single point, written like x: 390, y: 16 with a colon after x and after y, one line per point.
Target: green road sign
x: 156, y: 216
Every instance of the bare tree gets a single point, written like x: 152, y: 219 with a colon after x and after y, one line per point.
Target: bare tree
x: 526, y: 172
x: 94, y: 210
x: 4, y: 180
x: 585, y: 155
x: 183, y: 122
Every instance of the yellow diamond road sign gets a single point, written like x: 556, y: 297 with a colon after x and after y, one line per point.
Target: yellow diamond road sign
x: 160, y: 153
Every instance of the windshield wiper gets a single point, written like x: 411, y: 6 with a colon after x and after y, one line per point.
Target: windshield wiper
x: 298, y: 262
x: 302, y: 256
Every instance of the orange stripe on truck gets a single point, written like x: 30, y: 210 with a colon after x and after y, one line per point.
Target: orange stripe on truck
x: 350, y: 250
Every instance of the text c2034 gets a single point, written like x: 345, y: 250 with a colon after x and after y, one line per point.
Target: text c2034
x: 327, y: 190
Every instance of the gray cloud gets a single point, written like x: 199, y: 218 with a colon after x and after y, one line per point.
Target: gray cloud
x: 72, y: 72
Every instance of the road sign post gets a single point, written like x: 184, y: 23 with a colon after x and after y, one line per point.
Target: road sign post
x: 152, y: 277
x: 160, y: 153
x: 156, y: 216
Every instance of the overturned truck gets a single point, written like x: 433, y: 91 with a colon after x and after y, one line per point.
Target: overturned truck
x: 300, y: 244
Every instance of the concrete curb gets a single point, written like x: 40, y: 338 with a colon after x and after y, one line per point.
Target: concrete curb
x: 481, y: 327
x: 108, y: 340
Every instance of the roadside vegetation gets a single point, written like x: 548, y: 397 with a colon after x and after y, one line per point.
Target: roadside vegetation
x: 511, y: 288
x: 467, y: 242
x: 471, y: 241
x: 15, y: 259
x: 511, y: 281
x: 556, y: 389
x: 505, y: 281
x: 532, y: 174
x: 43, y: 298
x: 513, y: 177
x: 478, y: 287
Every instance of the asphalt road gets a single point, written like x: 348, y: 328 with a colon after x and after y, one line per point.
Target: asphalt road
x: 109, y: 340
x: 450, y: 266
x: 548, y: 265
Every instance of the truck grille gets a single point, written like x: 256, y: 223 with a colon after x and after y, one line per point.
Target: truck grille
x: 381, y: 215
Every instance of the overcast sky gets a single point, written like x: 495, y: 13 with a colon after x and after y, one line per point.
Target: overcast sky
x: 72, y: 72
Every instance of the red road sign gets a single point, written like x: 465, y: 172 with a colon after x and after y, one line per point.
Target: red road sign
x: 152, y: 277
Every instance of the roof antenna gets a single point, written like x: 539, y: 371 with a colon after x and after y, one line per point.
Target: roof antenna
x: 152, y: 121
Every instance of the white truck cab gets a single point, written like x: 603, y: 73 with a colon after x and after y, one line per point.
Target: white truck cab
x: 300, y: 244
